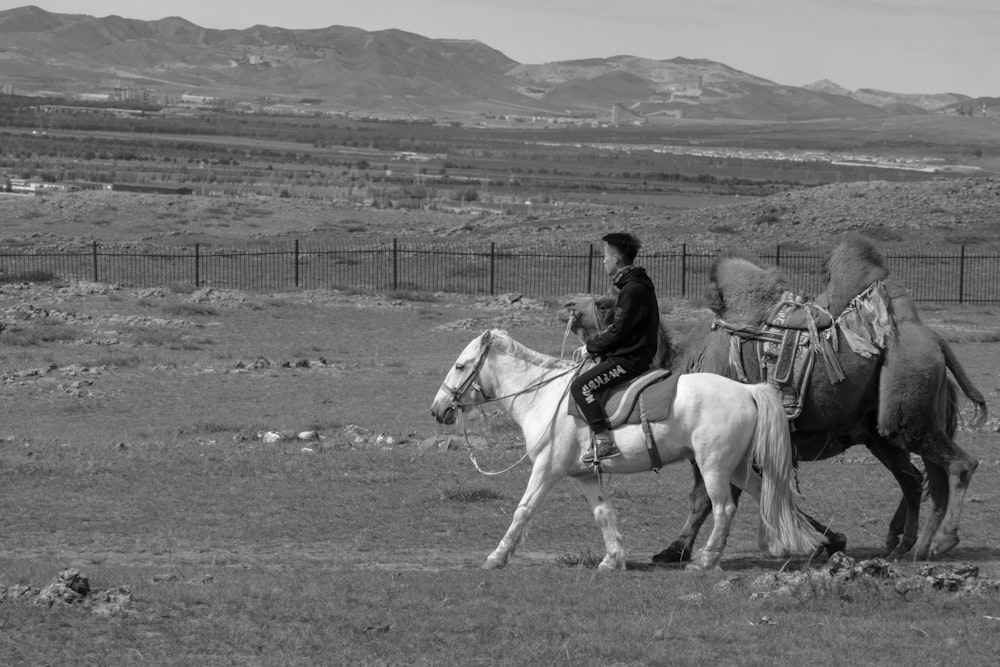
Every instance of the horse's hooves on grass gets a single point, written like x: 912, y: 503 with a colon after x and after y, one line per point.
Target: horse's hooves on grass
x: 491, y: 564
x: 835, y: 542
x: 673, y: 554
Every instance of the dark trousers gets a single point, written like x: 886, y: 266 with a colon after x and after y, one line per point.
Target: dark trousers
x: 588, y: 386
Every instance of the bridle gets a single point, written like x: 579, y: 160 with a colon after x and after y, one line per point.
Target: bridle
x: 472, y: 380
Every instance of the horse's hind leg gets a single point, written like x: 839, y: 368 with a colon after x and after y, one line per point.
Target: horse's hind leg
x: 680, y: 549
x: 539, y: 484
x: 723, y: 510
x: 607, y: 521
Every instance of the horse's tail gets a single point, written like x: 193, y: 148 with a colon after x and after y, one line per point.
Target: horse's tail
x: 787, y: 528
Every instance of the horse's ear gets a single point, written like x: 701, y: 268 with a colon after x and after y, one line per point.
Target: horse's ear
x: 714, y: 299
x: 486, y: 338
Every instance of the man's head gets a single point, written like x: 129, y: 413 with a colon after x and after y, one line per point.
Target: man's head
x: 620, y: 249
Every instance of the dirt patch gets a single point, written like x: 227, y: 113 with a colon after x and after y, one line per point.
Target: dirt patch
x: 71, y: 589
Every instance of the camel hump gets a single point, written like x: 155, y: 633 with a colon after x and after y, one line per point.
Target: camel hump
x: 852, y: 265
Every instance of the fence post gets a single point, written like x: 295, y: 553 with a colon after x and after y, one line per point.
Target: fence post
x: 296, y: 262
x: 590, y: 269
x: 684, y: 269
x: 492, y: 266
x: 197, y: 265
x: 395, y: 264
x: 777, y: 255
x: 94, y: 255
x: 961, y: 273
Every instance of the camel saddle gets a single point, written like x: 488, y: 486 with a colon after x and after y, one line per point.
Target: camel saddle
x: 652, y: 393
x: 795, y: 325
x: 794, y: 333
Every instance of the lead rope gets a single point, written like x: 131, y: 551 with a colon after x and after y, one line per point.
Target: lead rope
x: 566, y: 335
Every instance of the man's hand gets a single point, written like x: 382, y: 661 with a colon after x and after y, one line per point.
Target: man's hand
x: 580, y: 354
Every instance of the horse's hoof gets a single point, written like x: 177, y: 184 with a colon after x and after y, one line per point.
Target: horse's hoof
x: 673, y: 554
x: 835, y: 542
x: 492, y: 564
x: 611, y: 564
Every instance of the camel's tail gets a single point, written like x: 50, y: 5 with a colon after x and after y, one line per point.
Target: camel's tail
x: 969, y: 389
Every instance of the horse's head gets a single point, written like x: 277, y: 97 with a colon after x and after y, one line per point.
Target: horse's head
x: 742, y: 292
x: 462, y: 380
x: 588, y: 315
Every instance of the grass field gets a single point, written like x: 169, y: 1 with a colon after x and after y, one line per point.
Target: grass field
x: 134, y: 451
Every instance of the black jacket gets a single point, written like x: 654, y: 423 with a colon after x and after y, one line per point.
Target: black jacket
x: 634, y: 333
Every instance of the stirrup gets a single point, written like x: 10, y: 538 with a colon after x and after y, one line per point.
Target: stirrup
x: 604, y: 448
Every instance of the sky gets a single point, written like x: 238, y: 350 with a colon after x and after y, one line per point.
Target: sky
x: 901, y: 46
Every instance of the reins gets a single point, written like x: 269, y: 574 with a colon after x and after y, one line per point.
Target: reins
x: 472, y: 382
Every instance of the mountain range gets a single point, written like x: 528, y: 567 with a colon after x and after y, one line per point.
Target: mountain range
x: 398, y: 73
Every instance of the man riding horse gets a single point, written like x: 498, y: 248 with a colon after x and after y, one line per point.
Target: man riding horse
x: 624, y: 350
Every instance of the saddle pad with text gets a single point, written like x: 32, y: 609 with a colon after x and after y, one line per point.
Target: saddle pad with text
x: 658, y: 388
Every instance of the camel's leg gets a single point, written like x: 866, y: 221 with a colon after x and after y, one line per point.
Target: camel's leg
x: 723, y: 509
x: 607, y: 521
x: 906, y: 522
x: 680, y: 549
x: 539, y: 484
x: 959, y: 475
x: 949, y: 471
x: 937, y: 487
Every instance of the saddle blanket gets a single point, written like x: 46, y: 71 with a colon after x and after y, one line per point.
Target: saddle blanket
x: 657, y: 388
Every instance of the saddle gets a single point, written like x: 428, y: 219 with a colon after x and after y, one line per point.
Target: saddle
x: 797, y: 331
x: 649, y: 391
x: 652, y: 393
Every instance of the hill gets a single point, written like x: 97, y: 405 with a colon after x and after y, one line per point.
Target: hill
x: 392, y: 73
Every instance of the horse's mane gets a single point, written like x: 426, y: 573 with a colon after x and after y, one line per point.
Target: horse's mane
x: 503, y: 341
x: 852, y: 265
x: 741, y: 291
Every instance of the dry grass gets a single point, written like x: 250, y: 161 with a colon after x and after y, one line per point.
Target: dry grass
x: 240, y: 551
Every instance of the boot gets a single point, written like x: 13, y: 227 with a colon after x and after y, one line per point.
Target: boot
x: 604, y: 446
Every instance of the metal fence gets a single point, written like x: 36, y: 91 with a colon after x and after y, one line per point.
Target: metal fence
x: 956, y: 274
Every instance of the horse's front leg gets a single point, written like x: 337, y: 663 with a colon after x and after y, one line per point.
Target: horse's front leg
x: 680, y: 549
x: 607, y: 521
x: 542, y: 478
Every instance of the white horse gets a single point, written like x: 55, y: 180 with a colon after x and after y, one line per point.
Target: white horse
x: 717, y: 422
